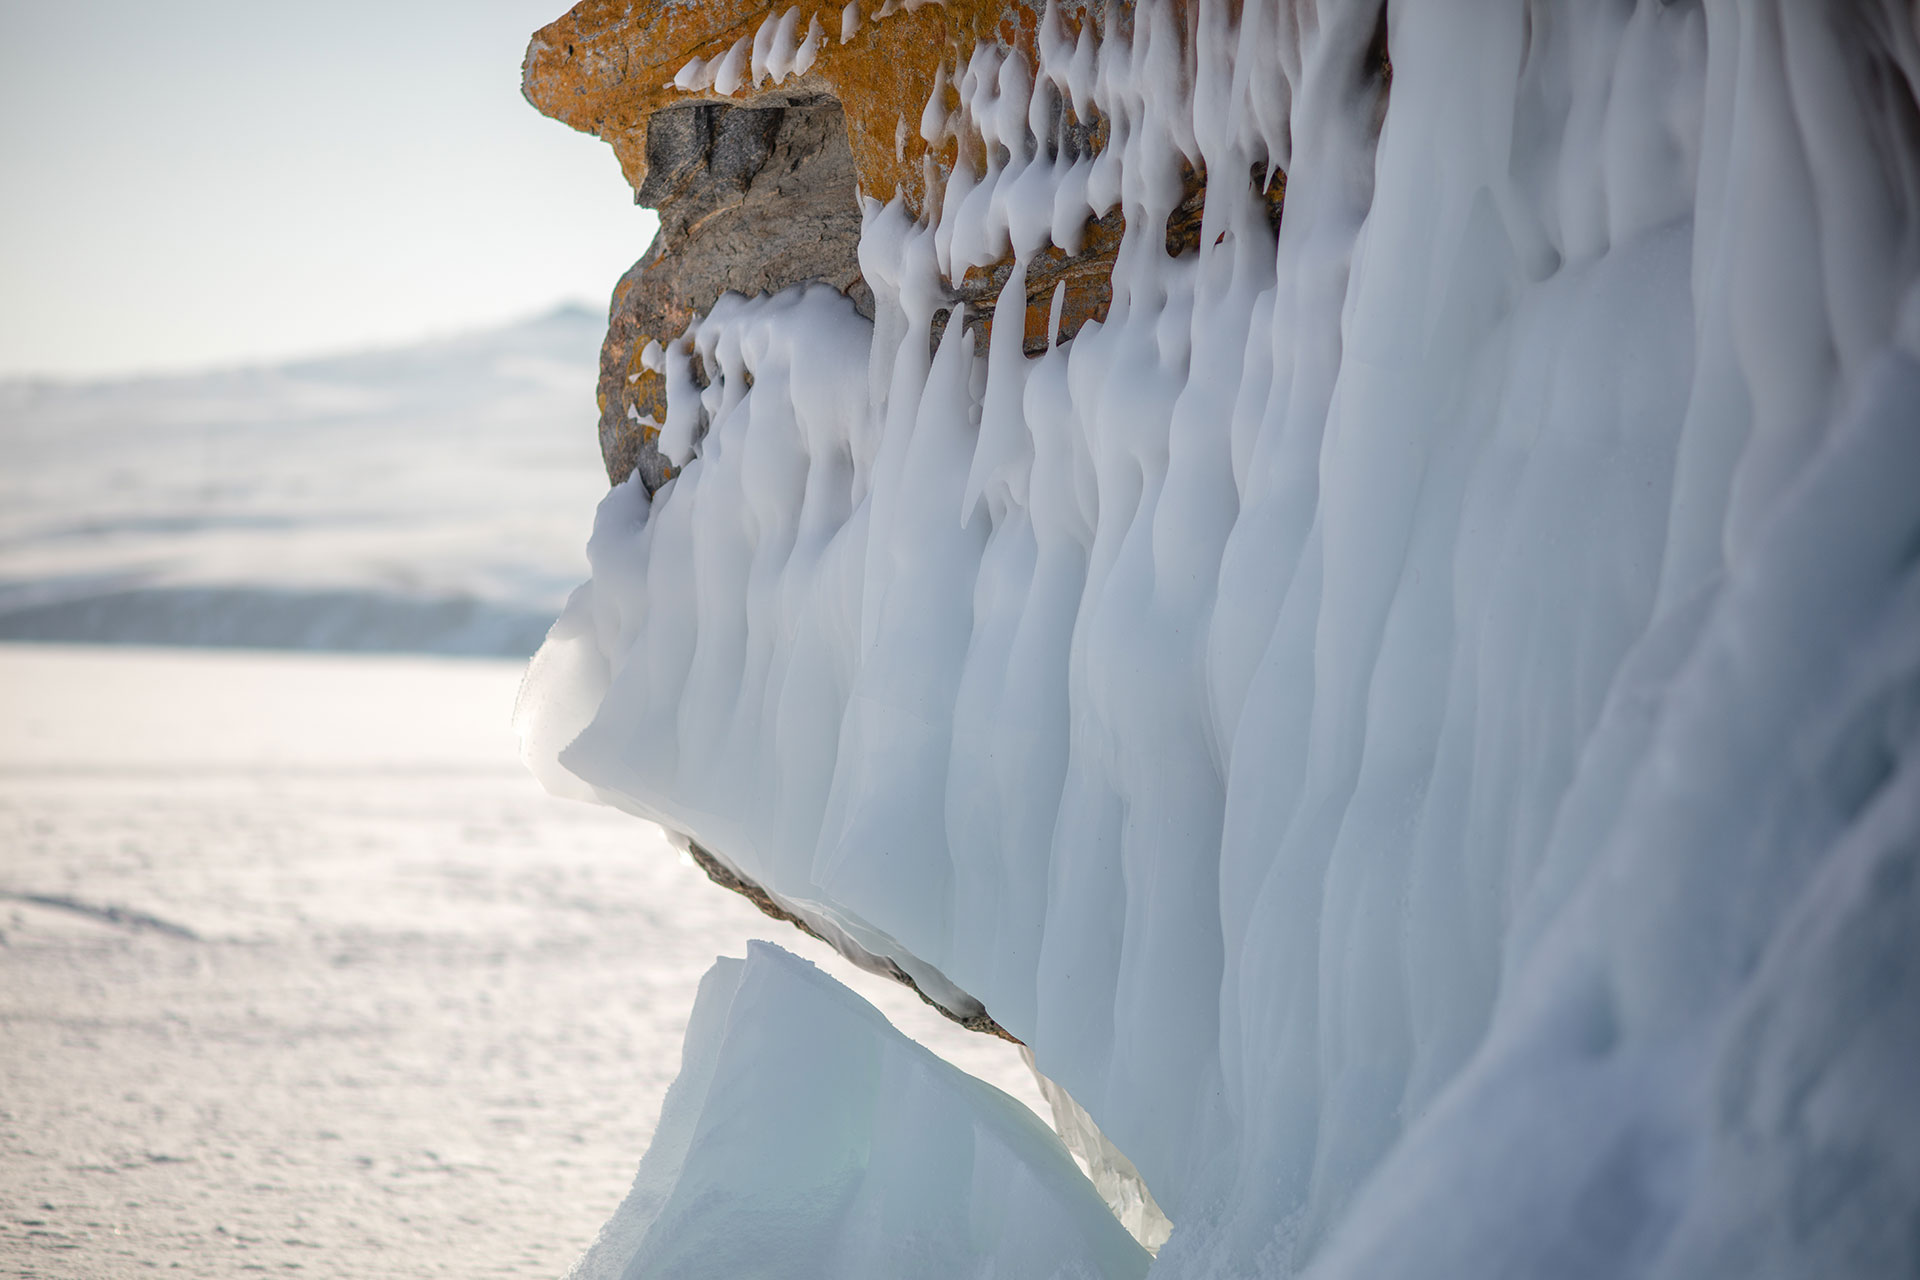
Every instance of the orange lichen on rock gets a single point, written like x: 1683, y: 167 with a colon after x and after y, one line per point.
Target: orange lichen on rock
x: 608, y: 65
x: 754, y: 128
x: 755, y: 155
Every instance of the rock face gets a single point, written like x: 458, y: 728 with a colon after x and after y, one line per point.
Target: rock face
x: 751, y: 199
x: 609, y: 66
x: 972, y: 1017
x: 756, y: 131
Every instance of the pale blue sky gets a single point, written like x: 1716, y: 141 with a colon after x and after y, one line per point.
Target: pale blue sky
x: 187, y: 183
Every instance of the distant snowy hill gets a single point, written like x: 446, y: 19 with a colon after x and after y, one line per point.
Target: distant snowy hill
x: 427, y: 498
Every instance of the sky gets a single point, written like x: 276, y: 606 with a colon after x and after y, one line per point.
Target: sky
x: 198, y: 183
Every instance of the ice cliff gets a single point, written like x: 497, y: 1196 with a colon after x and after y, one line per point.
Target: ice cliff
x: 1350, y: 575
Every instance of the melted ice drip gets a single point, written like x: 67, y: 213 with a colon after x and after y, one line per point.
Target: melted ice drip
x: 1415, y: 724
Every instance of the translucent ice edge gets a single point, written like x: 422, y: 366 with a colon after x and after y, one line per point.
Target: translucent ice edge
x: 806, y: 1137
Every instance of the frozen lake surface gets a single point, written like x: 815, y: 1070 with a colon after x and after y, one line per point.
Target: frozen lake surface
x: 303, y: 974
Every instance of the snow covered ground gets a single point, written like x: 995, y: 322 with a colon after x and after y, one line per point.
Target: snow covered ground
x: 424, y: 498
x: 299, y: 971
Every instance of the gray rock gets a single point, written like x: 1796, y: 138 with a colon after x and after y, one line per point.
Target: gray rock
x: 751, y: 199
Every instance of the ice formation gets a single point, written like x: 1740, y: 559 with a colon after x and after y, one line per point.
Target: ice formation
x: 805, y: 1136
x: 780, y: 47
x: 1415, y: 720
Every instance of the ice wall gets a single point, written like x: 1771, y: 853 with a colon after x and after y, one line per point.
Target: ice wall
x: 1413, y: 720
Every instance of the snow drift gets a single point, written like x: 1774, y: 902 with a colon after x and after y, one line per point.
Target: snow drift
x: 1413, y: 721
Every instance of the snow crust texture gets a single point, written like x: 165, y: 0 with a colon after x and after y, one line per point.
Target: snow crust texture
x: 1413, y: 721
x: 806, y: 1137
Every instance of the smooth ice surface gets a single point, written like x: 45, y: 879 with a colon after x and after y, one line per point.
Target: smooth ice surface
x: 426, y: 498
x: 1413, y: 720
x: 805, y: 1137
